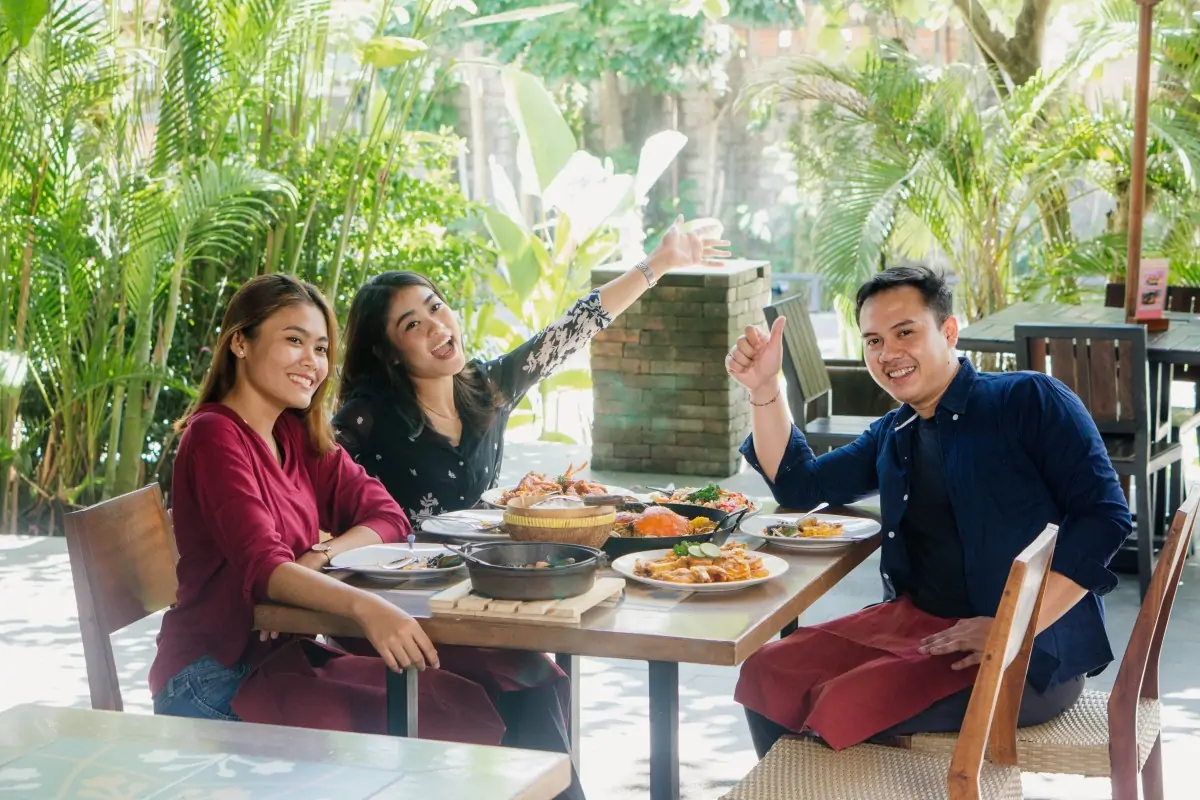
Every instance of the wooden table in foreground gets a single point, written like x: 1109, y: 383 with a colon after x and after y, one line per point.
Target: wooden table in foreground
x: 69, y: 752
x: 720, y: 629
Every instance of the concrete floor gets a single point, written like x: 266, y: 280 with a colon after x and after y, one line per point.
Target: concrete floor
x: 41, y: 660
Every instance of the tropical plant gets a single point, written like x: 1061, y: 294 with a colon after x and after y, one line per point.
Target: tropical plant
x: 156, y: 155
x: 1172, y: 200
x: 585, y: 214
x: 930, y: 162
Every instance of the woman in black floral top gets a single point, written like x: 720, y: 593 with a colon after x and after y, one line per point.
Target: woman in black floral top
x: 428, y: 423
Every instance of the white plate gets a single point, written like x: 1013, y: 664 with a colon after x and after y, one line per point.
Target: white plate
x: 775, y: 565
x: 367, y: 561
x: 461, y: 525
x: 492, y: 496
x: 853, y: 528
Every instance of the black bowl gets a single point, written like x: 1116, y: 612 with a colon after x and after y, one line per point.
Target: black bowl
x: 726, y: 521
x: 499, y: 579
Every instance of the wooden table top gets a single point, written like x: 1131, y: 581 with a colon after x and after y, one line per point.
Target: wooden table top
x: 1180, y: 344
x: 69, y: 752
x: 722, y: 628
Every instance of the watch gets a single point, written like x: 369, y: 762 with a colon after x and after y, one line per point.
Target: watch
x: 324, y: 548
x: 644, y: 267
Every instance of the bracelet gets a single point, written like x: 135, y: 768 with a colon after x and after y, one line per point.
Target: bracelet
x: 769, y: 402
x: 644, y: 267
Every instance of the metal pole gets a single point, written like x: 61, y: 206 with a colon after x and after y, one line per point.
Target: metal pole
x: 1137, y: 178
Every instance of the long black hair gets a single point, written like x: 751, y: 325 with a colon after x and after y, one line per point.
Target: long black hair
x: 374, y: 366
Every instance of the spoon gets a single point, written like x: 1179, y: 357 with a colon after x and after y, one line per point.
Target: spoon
x: 473, y: 559
x: 803, y: 517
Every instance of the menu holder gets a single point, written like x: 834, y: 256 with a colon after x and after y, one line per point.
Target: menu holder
x: 1151, y: 306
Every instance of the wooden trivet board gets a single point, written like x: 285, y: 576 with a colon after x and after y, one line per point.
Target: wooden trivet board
x: 459, y: 602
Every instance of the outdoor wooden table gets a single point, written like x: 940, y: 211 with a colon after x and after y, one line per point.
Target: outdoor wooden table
x: 69, y: 752
x: 1179, y: 345
x: 719, y: 629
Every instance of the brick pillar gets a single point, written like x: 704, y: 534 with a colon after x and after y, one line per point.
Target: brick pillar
x: 663, y: 401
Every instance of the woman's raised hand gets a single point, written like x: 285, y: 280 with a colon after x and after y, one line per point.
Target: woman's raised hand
x: 679, y: 249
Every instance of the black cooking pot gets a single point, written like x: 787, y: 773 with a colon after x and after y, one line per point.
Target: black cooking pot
x: 727, y: 523
x: 495, y: 569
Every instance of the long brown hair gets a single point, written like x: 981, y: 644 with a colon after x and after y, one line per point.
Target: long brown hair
x: 257, y: 300
x: 373, y: 364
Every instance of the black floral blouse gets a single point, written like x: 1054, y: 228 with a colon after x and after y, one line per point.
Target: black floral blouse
x: 418, y: 466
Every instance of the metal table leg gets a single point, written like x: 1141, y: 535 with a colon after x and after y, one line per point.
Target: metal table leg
x: 402, y: 703
x: 664, y: 730
x: 569, y: 664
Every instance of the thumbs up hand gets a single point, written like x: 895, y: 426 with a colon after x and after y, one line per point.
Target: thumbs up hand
x: 756, y: 359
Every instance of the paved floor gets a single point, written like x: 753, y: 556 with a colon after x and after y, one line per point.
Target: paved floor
x: 41, y: 660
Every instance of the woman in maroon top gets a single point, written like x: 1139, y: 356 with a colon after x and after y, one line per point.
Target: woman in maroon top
x: 257, y: 476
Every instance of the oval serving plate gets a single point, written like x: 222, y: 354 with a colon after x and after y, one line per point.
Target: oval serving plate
x: 854, y: 529
x: 624, y: 566
x: 492, y: 496
x: 368, y: 560
x: 462, y: 525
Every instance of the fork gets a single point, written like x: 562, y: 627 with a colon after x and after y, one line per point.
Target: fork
x: 399, y: 563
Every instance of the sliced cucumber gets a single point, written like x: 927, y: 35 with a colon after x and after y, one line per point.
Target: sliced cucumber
x: 696, y: 551
x: 710, y: 550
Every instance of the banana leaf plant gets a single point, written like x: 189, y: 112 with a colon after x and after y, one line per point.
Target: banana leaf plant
x: 585, y: 214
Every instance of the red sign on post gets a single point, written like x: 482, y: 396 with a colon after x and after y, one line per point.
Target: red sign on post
x: 1152, y: 289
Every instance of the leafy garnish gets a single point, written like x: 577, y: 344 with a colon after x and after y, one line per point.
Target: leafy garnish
x: 682, y: 547
x: 709, y: 494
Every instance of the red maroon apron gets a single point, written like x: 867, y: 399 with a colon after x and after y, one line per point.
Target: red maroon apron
x: 850, y: 678
x: 304, y: 684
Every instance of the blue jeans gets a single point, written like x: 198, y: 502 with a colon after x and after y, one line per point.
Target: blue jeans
x: 203, y: 689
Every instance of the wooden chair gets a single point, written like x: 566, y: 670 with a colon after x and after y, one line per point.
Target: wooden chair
x: 1116, y: 735
x: 1107, y: 368
x: 808, y: 380
x: 123, y: 558
x: 800, y: 769
x: 1184, y: 421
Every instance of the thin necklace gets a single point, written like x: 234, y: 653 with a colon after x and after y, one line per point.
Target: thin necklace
x: 438, y: 413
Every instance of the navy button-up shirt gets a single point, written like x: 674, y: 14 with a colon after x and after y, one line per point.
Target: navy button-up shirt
x: 1020, y: 451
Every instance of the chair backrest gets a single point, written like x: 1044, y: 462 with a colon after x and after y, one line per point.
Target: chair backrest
x: 1138, y: 675
x: 803, y: 366
x: 1105, y: 365
x: 1185, y: 299
x: 123, y: 564
x: 991, y: 720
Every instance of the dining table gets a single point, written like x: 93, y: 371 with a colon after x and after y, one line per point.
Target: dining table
x: 1179, y: 345
x: 661, y: 627
x: 49, y: 752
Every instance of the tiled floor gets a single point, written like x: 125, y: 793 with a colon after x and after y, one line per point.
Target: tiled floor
x: 41, y: 660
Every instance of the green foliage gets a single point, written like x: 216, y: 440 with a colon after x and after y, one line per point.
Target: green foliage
x: 583, y: 206
x: 151, y: 167
x: 638, y: 39
x: 912, y: 161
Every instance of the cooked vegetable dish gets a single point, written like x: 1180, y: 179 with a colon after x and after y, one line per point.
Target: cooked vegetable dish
x: 711, y: 496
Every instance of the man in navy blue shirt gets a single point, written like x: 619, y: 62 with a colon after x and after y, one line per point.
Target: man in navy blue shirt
x: 969, y: 470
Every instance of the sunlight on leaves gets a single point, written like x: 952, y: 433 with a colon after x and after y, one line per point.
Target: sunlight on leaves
x: 392, y: 51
